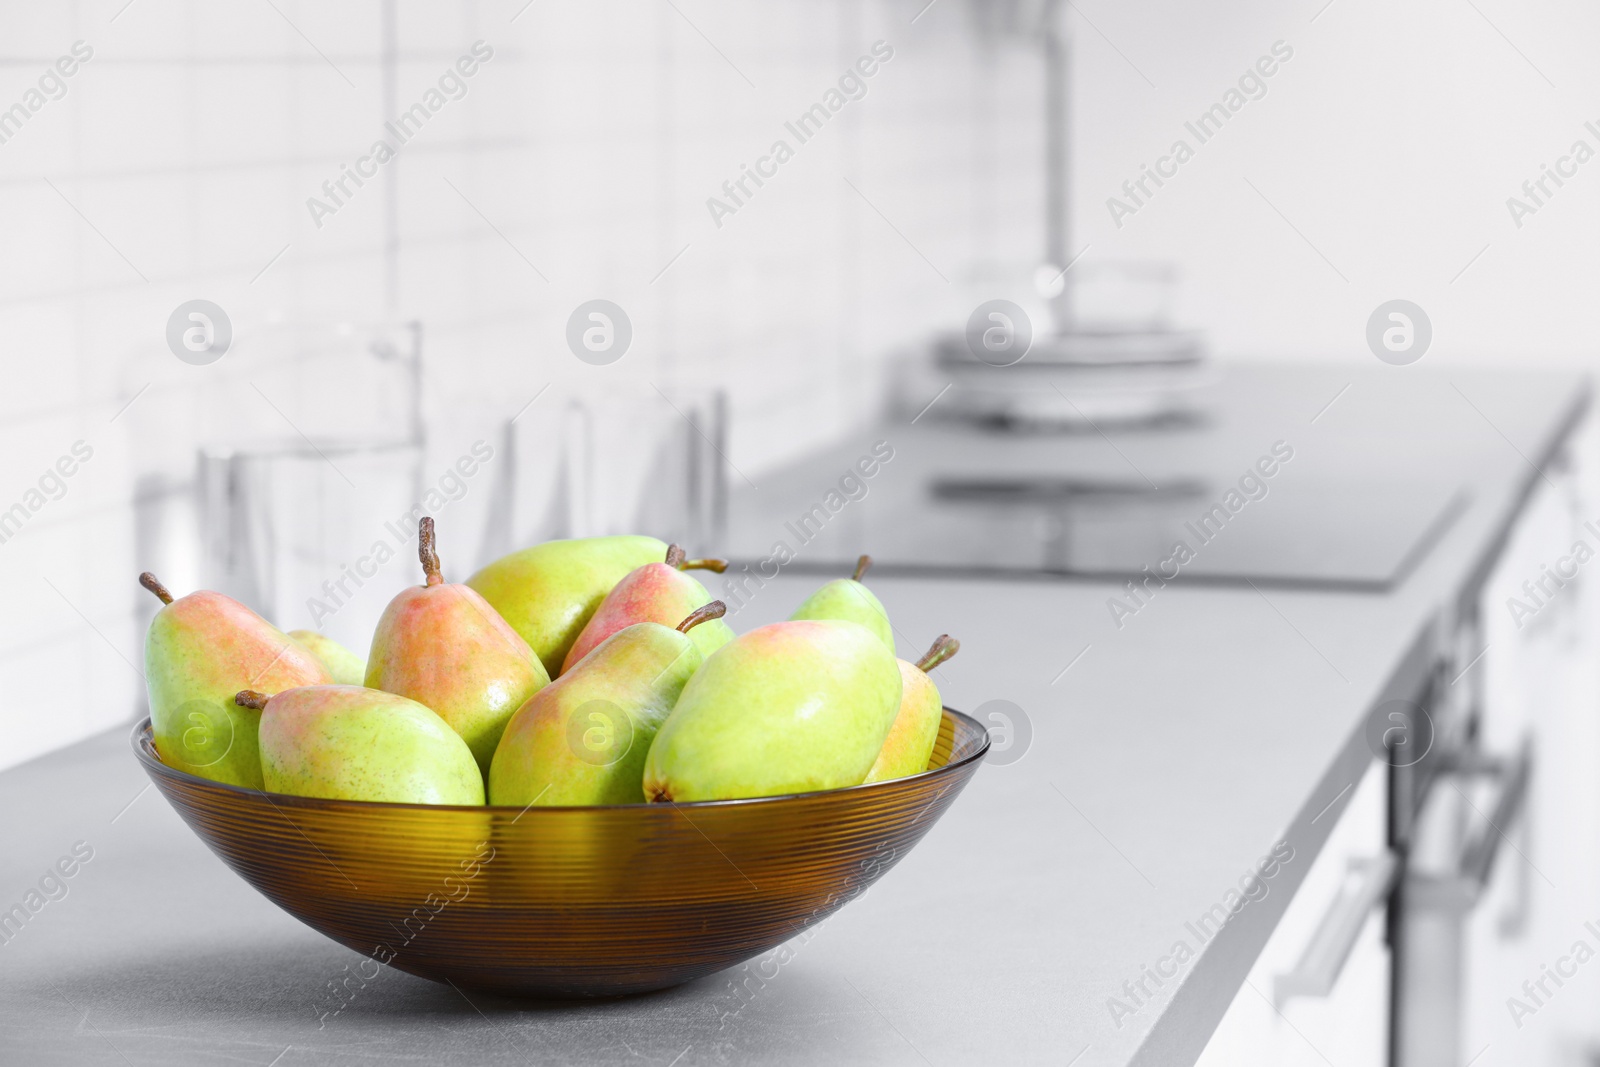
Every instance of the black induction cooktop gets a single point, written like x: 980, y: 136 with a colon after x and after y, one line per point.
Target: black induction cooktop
x: 1360, y: 535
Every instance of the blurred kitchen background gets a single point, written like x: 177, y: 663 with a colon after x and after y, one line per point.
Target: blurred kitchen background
x: 382, y: 350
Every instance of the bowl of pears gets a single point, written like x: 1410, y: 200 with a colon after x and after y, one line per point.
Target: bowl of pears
x: 564, y: 777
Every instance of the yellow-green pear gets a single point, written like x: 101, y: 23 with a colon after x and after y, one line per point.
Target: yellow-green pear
x: 347, y: 742
x: 657, y: 592
x: 916, y: 727
x: 583, y: 738
x: 848, y: 599
x: 200, y: 651
x: 787, y: 708
x: 442, y: 645
x: 345, y: 666
x: 548, y: 592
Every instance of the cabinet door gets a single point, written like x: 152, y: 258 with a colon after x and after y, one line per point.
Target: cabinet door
x: 1541, y: 679
x: 1349, y: 1026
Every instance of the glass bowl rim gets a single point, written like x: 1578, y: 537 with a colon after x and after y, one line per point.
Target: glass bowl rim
x: 143, y: 741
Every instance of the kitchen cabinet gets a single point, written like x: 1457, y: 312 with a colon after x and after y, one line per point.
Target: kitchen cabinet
x: 1525, y: 672
x: 1348, y: 1023
x: 1541, y: 681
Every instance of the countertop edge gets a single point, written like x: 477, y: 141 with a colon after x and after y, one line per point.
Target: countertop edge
x: 1184, y: 1028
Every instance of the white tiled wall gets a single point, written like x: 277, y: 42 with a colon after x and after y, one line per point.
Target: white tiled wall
x: 178, y: 164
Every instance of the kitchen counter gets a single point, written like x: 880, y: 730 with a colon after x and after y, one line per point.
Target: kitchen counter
x: 1163, y: 759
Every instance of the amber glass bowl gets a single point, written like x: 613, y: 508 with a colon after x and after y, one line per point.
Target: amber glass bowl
x: 569, y: 902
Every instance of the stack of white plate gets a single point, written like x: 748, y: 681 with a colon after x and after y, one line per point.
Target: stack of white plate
x: 1077, y: 378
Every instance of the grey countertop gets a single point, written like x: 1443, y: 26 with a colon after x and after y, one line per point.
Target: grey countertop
x: 1166, y: 757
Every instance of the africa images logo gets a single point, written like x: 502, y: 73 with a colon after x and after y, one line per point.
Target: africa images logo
x: 451, y: 85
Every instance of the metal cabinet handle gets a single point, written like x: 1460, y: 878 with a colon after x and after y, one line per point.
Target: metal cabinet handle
x: 1461, y: 888
x: 1477, y: 859
x: 1367, y: 882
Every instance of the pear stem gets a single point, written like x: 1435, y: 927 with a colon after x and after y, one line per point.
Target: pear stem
x: 152, y: 583
x: 249, y: 698
x: 943, y: 648
x: 426, y: 553
x: 861, y: 567
x: 714, y: 610
x: 678, y: 558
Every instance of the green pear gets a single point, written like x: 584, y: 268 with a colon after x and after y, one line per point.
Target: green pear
x: 584, y: 737
x: 548, y: 592
x: 916, y: 726
x: 442, y: 645
x: 849, y: 600
x: 346, y: 667
x: 657, y: 592
x: 786, y: 708
x: 202, y: 649
x: 346, y: 742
